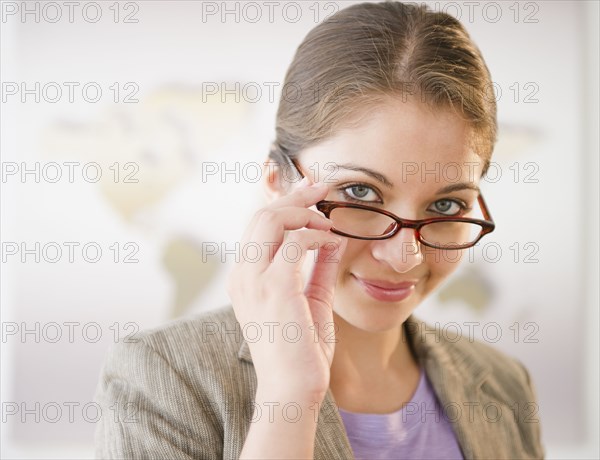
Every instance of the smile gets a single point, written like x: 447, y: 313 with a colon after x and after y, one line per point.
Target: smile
x: 386, y: 291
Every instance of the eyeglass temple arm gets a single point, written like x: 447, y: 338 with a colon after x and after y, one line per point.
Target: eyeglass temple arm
x: 296, y: 166
x: 276, y: 151
x: 486, y: 213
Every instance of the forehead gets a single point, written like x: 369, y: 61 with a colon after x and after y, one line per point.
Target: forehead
x: 396, y: 137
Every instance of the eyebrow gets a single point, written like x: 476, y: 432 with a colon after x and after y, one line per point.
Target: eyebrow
x: 384, y: 180
x: 369, y: 172
x: 459, y: 186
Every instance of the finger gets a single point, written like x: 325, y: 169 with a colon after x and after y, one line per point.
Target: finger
x: 271, y: 226
x: 320, y: 288
x: 287, y: 262
x: 284, y: 278
x: 300, y: 196
x: 292, y: 250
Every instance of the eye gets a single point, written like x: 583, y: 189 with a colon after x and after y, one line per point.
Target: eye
x: 359, y: 193
x: 449, y: 207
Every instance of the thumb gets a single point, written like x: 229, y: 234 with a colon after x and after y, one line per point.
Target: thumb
x: 320, y: 288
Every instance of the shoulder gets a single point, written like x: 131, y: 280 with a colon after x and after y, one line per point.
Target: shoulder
x: 506, y: 377
x: 503, y: 382
x: 175, y: 382
x: 488, y: 355
x: 202, y: 348
x: 212, y: 332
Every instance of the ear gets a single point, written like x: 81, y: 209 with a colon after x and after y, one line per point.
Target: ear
x: 274, y: 185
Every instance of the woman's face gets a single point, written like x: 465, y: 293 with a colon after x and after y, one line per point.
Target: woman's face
x: 414, y: 153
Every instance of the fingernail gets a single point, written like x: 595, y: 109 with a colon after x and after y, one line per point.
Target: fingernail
x: 302, y: 183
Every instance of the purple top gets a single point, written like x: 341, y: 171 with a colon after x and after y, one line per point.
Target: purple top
x: 419, y: 430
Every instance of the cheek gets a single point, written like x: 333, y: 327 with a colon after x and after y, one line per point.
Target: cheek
x: 441, y: 264
x: 354, y: 250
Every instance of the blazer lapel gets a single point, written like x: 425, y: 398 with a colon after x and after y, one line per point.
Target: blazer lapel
x: 331, y: 441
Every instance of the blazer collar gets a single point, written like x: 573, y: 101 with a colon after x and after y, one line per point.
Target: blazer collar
x: 455, y: 371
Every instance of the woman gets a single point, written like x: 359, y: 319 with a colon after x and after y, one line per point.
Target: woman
x: 334, y: 365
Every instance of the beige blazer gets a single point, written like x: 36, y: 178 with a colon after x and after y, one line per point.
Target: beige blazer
x: 186, y: 391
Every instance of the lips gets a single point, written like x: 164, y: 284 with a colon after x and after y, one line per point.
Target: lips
x: 386, y: 291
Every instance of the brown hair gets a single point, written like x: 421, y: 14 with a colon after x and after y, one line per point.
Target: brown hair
x: 370, y: 51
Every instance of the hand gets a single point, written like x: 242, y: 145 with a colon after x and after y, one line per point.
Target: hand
x: 296, y: 357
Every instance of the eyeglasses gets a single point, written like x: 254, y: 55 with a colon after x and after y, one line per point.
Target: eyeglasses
x: 364, y: 222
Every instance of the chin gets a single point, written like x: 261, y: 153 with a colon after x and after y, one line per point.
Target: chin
x: 370, y: 323
x: 371, y: 315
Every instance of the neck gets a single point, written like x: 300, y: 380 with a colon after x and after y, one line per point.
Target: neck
x: 365, y: 358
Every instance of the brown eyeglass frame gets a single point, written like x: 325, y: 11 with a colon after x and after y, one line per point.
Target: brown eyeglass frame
x: 325, y: 206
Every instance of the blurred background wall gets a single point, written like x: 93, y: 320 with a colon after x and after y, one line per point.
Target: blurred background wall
x: 132, y: 136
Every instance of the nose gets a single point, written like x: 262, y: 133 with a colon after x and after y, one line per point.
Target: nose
x: 402, y: 252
